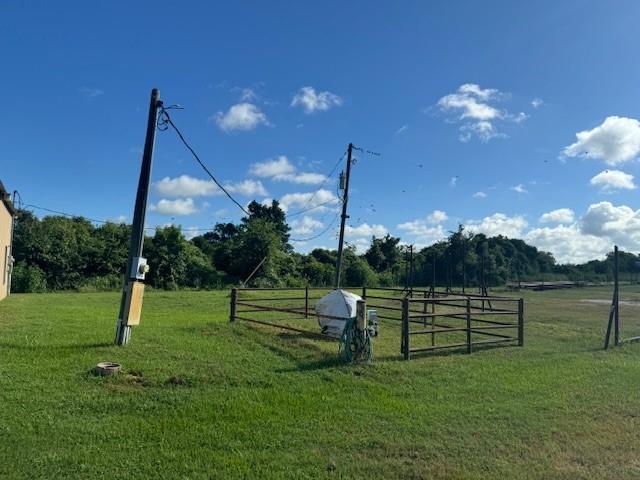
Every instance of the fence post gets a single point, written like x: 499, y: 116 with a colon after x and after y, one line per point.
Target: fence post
x: 424, y: 309
x: 405, y: 329
x: 234, y: 299
x: 306, y: 301
x: 364, y: 293
x: 468, y: 325
x: 520, y: 322
x: 616, y: 298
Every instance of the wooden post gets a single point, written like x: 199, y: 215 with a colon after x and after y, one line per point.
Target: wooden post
x: 405, y: 329
x: 306, y: 301
x: 234, y: 299
x: 364, y: 293
x: 520, y: 322
x: 469, y: 325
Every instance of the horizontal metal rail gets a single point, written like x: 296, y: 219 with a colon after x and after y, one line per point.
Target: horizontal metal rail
x: 287, y: 327
x: 460, y: 345
x: 284, y: 310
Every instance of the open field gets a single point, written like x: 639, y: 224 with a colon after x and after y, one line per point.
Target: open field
x: 202, y: 398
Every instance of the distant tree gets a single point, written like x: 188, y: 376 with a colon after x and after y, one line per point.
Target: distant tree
x: 383, y: 254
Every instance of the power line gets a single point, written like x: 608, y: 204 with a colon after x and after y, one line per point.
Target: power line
x: 326, y: 179
x: 58, y: 212
x: 318, y: 234
x: 166, y: 119
x: 310, y: 208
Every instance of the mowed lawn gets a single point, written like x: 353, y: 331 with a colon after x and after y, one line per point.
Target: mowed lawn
x: 203, y: 398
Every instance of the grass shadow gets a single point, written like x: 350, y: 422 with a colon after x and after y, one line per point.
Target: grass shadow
x: 39, y: 347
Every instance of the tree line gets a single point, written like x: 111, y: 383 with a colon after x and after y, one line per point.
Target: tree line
x: 62, y: 253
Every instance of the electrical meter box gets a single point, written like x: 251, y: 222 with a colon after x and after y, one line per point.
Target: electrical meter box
x: 372, y: 322
x: 139, y: 268
x: 133, y: 303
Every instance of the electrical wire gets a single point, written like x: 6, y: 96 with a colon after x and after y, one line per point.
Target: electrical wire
x: 326, y: 179
x: 165, y: 120
x: 299, y: 212
x: 65, y: 214
x: 318, y: 235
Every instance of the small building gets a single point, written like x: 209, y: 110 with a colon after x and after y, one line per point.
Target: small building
x: 7, y: 213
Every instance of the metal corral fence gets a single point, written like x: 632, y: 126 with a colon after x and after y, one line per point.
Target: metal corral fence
x: 447, y: 320
x: 287, y: 308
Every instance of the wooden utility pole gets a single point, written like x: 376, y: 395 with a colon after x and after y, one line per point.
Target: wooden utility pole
x: 344, y: 216
x: 136, y: 268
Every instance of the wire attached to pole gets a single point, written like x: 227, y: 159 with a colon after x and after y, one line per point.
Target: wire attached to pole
x: 165, y: 120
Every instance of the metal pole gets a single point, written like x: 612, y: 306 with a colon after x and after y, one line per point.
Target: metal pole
x: 616, y: 297
x: 433, y: 276
x: 306, y: 301
x: 411, y: 271
x: 520, y: 322
x: 123, y: 330
x: 344, y: 216
x: 468, y: 325
x: 464, y: 267
x: 405, y: 328
x: 233, y: 306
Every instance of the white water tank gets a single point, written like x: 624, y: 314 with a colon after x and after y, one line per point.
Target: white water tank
x: 334, y: 309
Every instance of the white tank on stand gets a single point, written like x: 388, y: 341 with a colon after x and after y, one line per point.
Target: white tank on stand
x: 334, y: 309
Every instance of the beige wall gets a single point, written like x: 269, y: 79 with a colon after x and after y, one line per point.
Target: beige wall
x: 5, y: 241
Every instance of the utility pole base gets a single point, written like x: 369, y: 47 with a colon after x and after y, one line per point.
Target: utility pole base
x: 123, y: 333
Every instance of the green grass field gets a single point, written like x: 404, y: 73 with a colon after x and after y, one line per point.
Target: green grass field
x: 203, y: 398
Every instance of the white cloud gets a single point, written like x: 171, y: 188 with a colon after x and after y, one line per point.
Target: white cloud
x: 560, y: 215
x: 365, y: 230
x: 186, y: 186
x: 612, y: 180
x: 320, y: 201
x: 428, y: 229
x: 402, y: 129
x: 282, y: 170
x: 615, y: 141
x: 305, y: 226
x: 499, y: 224
x: 437, y: 216
x: 453, y: 182
x: 179, y: 206
x: 537, y: 102
x: 248, y: 188
x: 479, y: 195
x: 91, y: 92
x: 242, y: 116
x: 272, y: 168
x: 420, y: 228
x: 621, y: 224
x: 568, y: 244
x: 247, y: 95
x: 312, y: 101
x: 519, y: 188
x: 472, y: 106
x: 483, y: 129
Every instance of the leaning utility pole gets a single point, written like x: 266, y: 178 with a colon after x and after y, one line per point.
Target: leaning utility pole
x: 136, y: 268
x: 345, y: 198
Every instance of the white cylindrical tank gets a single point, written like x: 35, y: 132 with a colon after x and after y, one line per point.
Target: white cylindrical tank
x: 334, y: 309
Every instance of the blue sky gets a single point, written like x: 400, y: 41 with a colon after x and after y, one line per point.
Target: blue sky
x: 475, y: 108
